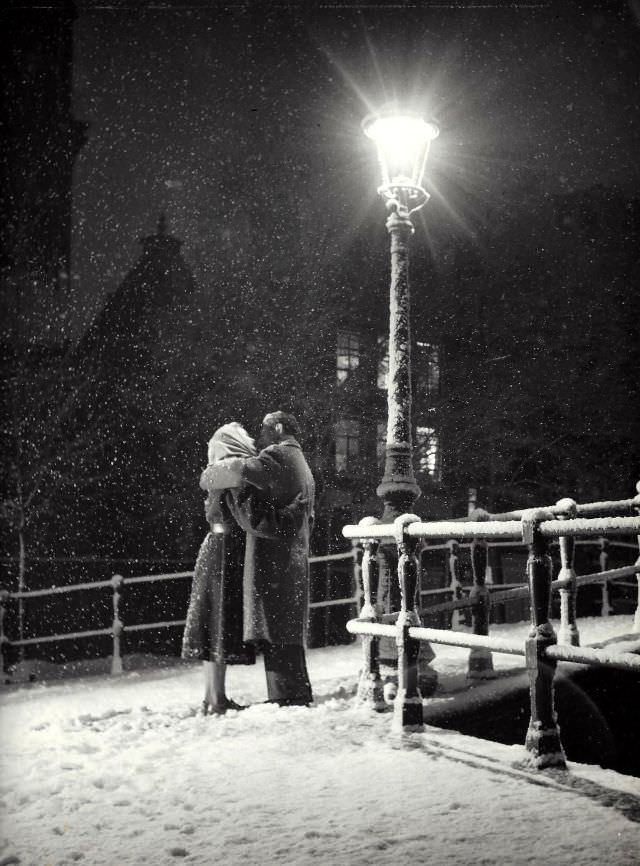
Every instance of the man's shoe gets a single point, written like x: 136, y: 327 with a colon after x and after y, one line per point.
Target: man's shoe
x: 290, y: 702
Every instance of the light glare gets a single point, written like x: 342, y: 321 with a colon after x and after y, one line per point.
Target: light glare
x: 402, y: 141
x: 394, y: 130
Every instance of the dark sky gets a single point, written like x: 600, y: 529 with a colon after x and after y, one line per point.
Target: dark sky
x: 182, y: 101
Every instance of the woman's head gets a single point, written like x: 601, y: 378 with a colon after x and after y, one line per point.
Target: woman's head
x: 230, y: 440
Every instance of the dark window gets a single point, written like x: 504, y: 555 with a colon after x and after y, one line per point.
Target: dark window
x: 347, y: 443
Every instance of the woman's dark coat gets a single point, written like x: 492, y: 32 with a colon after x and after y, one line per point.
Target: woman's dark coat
x: 213, y: 631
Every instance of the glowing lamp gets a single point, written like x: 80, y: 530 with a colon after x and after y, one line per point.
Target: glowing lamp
x: 402, y: 141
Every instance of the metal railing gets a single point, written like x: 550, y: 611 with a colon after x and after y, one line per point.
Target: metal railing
x: 507, y: 592
x: 542, y: 649
x: 118, y: 585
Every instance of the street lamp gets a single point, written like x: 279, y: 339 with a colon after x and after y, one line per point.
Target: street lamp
x: 402, y: 142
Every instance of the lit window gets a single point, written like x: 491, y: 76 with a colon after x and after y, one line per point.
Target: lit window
x: 381, y: 442
x: 348, y: 354
x: 347, y: 443
x: 383, y: 363
x: 427, y: 367
x: 428, y: 451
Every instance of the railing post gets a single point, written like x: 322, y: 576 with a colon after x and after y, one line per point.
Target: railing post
x: 385, y: 604
x: 543, y: 736
x: 117, y: 582
x: 427, y: 676
x: 455, y: 585
x: 606, y: 609
x: 480, y: 664
x: 356, y: 573
x: 568, y: 631
x: 488, y: 572
x: 407, y: 706
x: 4, y: 640
x: 636, y: 619
x: 370, y: 682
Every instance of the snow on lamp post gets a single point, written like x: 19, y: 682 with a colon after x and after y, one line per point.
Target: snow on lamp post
x: 402, y: 142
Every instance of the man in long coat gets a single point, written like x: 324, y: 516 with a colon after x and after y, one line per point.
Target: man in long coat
x: 276, y: 570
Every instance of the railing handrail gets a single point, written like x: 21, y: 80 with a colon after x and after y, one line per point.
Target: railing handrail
x: 512, y: 529
x: 517, y: 542
x: 615, y: 506
x: 145, y: 626
x: 154, y: 578
x: 559, y: 652
x: 57, y: 590
x: 145, y: 578
x: 522, y: 590
x: 331, y: 557
x: 106, y: 560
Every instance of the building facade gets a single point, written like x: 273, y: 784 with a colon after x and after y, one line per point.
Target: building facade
x: 41, y: 139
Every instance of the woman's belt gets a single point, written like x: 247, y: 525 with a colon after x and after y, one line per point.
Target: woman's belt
x: 220, y: 528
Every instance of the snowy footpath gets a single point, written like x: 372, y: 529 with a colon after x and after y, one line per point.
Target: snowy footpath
x: 122, y: 770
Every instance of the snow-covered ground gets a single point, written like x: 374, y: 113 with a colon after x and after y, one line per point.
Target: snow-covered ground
x: 121, y: 770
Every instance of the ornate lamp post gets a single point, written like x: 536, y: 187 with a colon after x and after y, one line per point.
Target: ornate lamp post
x: 402, y: 142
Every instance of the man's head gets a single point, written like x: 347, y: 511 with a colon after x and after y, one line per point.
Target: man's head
x: 277, y: 426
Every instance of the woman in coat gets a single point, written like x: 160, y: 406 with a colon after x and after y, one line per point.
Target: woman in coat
x: 214, y: 626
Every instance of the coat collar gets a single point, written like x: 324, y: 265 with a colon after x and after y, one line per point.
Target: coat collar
x: 290, y: 441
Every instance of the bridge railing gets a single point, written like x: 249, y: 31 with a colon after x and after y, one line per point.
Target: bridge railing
x: 464, y: 598
x: 117, y: 627
x: 536, y: 528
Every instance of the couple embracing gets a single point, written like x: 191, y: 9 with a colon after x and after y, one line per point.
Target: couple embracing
x: 250, y: 587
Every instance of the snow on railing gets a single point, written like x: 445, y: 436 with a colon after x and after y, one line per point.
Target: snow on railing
x: 507, y: 529
x: 586, y: 509
x: 117, y: 584
x: 534, y: 527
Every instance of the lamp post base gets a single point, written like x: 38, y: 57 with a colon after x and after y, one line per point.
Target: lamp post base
x: 398, y: 489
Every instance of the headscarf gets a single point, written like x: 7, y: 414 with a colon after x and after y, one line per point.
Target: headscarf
x: 230, y: 440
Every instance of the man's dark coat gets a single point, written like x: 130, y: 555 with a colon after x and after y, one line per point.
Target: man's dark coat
x: 276, y: 570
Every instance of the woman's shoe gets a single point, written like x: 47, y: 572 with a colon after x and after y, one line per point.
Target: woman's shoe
x: 209, y: 709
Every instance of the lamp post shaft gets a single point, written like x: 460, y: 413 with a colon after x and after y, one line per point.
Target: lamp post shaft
x: 398, y: 489
x: 402, y: 169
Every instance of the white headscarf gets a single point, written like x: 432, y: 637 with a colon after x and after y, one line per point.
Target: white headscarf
x: 230, y: 440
